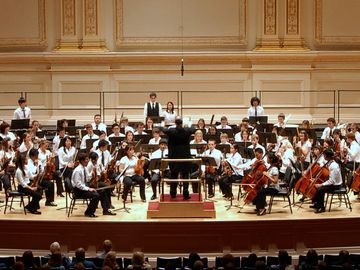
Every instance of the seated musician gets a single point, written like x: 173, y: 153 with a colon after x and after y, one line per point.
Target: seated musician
x: 124, y: 123
x: 102, y: 136
x: 230, y: 176
x: 318, y: 156
x: 223, y: 123
x: 198, y: 138
x: 162, y: 152
x: 156, y: 136
x: 6, y: 133
x: 140, y: 129
x: 7, y: 159
x: 255, y: 109
x: 116, y: 131
x: 255, y: 143
x: 354, y: 128
x: 97, y: 125
x: 286, y: 155
x: 57, y: 139
x: 129, y: 137
x: 44, y: 155
x: 79, y: 179
x: 90, y: 135
x: 67, y: 158
x: 212, y: 173
x: 201, y: 124
x: 281, y: 121
x: 328, y: 131
x: 26, y: 144
x: 243, y: 136
x: 305, y: 124
x: 23, y: 176
x: 93, y: 167
x: 36, y: 169
x: 271, y: 188
x: 224, y: 139
x: 245, y: 123
x: 334, y: 182
x: 212, y: 130
x: 130, y: 176
x: 149, y: 123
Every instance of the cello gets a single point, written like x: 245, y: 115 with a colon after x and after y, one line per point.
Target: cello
x: 355, y: 185
x: 262, y: 180
x: 320, y: 178
x: 256, y: 171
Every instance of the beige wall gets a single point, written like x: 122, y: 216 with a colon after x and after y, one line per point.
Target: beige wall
x: 233, y: 49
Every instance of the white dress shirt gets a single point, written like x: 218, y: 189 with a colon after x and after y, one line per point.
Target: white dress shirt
x: 87, y: 137
x: 223, y: 127
x: 23, y: 180
x: 354, y: 152
x: 79, y: 178
x: 159, y: 154
x: 43, y: 157
x: 235, y: 161
x: 33, y: 168
x: 326, y: 133
x: 11, y: 136
x: 169, y: 117
x: 19, y: 113
x: 96, y: 143
x: 274, y: 171
x: 335, y: 178
x: 101, y: 127
x: 216, y: 154
x: 130, y: 164
x: 307, y: 145
x: 9, y: 155
x: 66, y: 158
x: 23, y: 149
x: 56, y: 143
x: 107, y: 158
x: 154, y: 141
x: 259, y: 111
x: 286, y: 158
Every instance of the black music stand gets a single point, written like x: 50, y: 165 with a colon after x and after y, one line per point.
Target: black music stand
x: 89, y: 144
x: 145, y: 138
x: 71, y: 122
x: 263, y: 119
x: 155, y: 164
x: 224, y: 148
x: 97, y: 131
x: 20, y: 124
x: 267, y: 137
x: 264, y: 127
x: 71, y: 130
x: 115, y: 141
x: 244, y: 151
x: 216, y: 137
x: 200, y: 147
x: 157, y: 119
x: 40, y: 134
x: 149, y: 148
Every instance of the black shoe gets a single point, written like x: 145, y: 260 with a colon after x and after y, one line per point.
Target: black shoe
x: 61, y: 195
x: 35, y: 212
x: 302, y: 199
x: 314, y: 206
x: 90, y: 215
x: 211, y: 195
x: 108, y: 213
x: 153, y: 197
x: 112, y: 207
x: 320, y: 210
x: 112, y: 194
x: 187, y: 197
x: 261, y: 212
x: 50, y: 204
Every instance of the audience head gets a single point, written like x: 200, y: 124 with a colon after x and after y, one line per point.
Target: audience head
x: 18, y: 266
x: 79, y: 266
x: 138, y: 259
x: 28, y: 259
x: 312, y: 257
x: 55, y: 259
x: 260, y: 265
x: 193, y: 257
x: 80, y: 254
x: 228, y: 258
x: 110, y: 260
x: 283, y: 256
x: 198, y: 265
x: 107, y: 245
x: 55, y: 247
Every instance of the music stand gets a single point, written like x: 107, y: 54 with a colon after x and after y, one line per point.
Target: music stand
x: 97, y: 131
x: 157, y: 119
x: 149, y: 148
x: 244, y: 151
x: 20, y: 124
x: 264, y: 127
x: 200, y: 147
x: 71, y: 130
x: 145, y: 138
x: 89, y: 144
x: 71, y: 122
x: 258, y: 119
x: 73, y: 141
x: 267, y: 137
x: 216, y: 137
x: 115, y: 141
x: 40, y: 134
x: 155, y: 164
x: 224, y: 148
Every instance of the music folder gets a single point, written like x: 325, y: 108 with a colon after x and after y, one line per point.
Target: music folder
x: 155, y: 164
x: 149, y: 148
x: 224, y: 148
x: 157, y: 119
x: 20, y: 123
x: 208, y: 161
x: 258, y: 119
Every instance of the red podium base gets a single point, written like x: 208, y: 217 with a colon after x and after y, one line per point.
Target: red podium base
x: 180, y: 208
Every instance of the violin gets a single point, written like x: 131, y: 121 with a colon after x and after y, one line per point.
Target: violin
x: 227, y: 168
x: 50, y: 168
x: 139, y: 168
x: 94, y: 182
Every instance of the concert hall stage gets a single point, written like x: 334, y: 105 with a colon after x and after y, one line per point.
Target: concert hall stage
x: 230, y: 230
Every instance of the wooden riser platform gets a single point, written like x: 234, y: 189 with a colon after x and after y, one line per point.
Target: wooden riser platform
x: 177, y: 207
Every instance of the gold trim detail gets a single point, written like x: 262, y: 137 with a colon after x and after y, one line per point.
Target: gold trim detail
x: 91, y: 17
x: 35, y: 43
x: 292, y: 17
x: 270, y: 19
x: 123, y: 42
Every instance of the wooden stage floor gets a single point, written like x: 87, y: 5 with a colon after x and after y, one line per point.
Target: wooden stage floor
x: 230, y: 230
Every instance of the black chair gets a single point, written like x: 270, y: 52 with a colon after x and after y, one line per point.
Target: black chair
x: 36, y: 260
x: 161, y: 262
x: 11, y: 196
x: 44, y: 260
x: 186, y: 262
x: 274, y: 260
x: 284, y: 193
x: 331, y: 260
x: 355, y: 260
x: 219, y: 262
x: 70, y: 193
x: 342, y: 194
x: 7, y: 261
x: 302, y: 259
x: 99, y: 262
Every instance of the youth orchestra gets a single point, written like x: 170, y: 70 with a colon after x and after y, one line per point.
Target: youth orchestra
x: 97, y: 159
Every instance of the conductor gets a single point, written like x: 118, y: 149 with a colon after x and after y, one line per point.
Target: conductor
x: 179, y: 148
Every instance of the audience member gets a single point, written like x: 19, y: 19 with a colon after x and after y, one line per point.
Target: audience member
x: 138, y: 261
x: 80, y: 258
x: 110, y: 260
x: 107, y: 247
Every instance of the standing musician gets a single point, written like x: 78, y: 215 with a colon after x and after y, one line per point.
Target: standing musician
x: 97, y: 125
x: 5, y: 132
x: 94, y: 181
x: 26, y: 144
x: 90, y: 135
x: 23, y: 176
x: 255, y: 109
x: 37, y: 170
x: 132, y: 175
x: 116, y: 131
x: 79, y: 179
x: 48, y: 159
x: 228, y: 177
x: 328, y: 131
x: 67, y: 155
x: 152, y: 108
x: 162, y: 152
x: 179, y: 148
x: 303, y: 147
x: 210, y: 172
x: 23, y: 111
x: 271, y: 188
x: 169, y: 114
x: 333, y: 183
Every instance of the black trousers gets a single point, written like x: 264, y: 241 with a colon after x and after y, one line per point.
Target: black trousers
x: 260, y: 199
x: 155, y: 179
x: 48, y: 186
x: 320, y: 195
x: 225, y: 183
x: 173, y: 186
x: 5, y: 181
x: 129, y: 181
x: 59, y: 183
x: 94, y: 198
x: 210, y: 181
x: 35, y: 198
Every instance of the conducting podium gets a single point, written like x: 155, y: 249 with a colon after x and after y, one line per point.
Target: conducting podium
x: 177, y: 207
